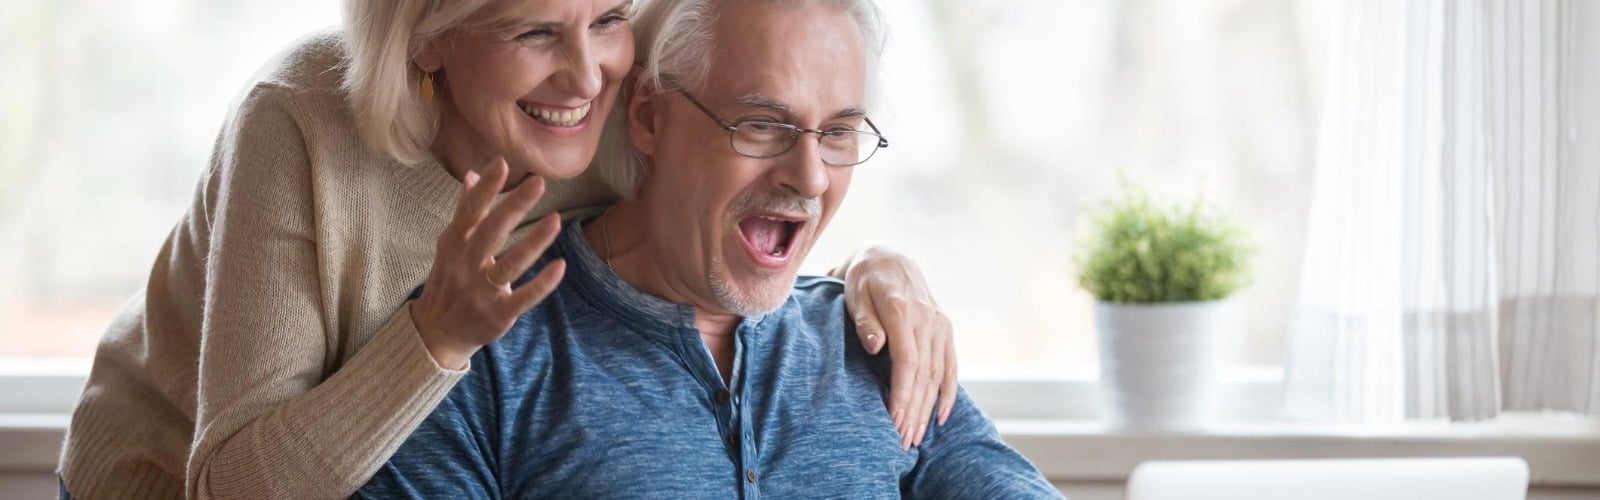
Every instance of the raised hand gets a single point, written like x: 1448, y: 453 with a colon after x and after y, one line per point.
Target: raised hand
x: 467, y: 301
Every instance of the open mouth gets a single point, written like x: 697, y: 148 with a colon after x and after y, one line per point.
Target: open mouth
x: 556, y: 117
x: 770, y: 238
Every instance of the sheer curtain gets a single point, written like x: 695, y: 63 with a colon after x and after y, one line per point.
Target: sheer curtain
x: 1452, y: 264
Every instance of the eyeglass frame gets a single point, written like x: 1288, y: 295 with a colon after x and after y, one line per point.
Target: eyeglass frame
x: 796, y: 132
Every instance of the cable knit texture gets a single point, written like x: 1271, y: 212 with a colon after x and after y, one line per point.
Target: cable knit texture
x: 274, y: 339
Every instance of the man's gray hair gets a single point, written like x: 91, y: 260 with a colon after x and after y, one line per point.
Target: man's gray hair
x: 673, y: 40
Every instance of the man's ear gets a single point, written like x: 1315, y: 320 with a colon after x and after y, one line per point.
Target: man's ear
x: 643, y: 104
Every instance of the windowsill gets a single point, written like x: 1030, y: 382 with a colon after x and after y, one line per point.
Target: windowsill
x: 33, y: 442
x: 1559, y: 451
x: 1054, y: 422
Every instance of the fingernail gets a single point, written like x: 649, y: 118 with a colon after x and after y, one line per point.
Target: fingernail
x: 470, y: 179
x: 899, y: 418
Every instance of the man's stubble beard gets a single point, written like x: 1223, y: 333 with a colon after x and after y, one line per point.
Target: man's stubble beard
x: 741, y: 302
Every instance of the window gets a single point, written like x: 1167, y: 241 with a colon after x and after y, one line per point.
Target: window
x: 1008, y: 118
x: 110, y: 113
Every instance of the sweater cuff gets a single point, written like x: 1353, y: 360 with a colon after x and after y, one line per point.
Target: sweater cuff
x: 394, y: 383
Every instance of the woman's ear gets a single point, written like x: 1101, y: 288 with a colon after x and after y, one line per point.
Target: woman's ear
x: 429, y: 60
x: 641, y: 108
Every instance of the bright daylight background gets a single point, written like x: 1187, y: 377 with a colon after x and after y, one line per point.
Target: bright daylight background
x: 1008, y: 118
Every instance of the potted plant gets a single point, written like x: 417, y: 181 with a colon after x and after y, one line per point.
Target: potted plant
x: 1161, y: 274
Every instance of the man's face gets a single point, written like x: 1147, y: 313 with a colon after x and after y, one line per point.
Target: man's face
x: 732, y: 228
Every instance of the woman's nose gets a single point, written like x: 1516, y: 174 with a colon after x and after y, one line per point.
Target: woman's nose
x: 581, y: 77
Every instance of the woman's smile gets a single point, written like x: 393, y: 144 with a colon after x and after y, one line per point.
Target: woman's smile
x: 554, y: 116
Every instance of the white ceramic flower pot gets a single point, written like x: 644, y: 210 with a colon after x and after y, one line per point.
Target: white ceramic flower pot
x: 1159, y: 363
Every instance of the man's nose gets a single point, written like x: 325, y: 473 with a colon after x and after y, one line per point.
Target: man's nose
x: 801, y: 170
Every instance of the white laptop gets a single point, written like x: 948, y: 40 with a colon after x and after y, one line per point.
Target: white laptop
x: 1491, y: 478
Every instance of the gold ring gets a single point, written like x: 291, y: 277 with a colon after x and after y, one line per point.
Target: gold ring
x: 490, y: 279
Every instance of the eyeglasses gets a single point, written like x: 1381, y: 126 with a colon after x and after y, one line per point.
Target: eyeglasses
x: 841, y: 146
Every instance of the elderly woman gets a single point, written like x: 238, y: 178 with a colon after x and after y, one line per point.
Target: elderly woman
x: 275, y: 353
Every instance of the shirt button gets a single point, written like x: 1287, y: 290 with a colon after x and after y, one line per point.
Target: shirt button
x: 750, y: 475
x: 723, y: 397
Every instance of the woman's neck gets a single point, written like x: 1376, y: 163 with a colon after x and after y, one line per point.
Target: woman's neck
x: 460, y: 149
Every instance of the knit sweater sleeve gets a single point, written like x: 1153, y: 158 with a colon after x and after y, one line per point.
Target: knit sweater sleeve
x: 271, y: 422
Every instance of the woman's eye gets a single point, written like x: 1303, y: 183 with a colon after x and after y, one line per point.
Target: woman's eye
x: 611, y: 20
x: 537, y: 34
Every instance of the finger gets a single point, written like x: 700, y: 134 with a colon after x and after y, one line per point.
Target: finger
x: 477, y: 197
x: 516, y: 261
x: 932, y: 381
x: 947, y: 394
x: 903, y: 354
x: 497, y: 225
x: 922, y: 394
x: 868, y: 328
x: 539, y: 288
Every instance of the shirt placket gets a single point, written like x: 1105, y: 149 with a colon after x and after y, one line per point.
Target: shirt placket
x: 748, y: 457
x: 731, y: 414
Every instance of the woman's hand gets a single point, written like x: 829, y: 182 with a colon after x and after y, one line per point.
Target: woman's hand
x: 468, y: 301
x: 890, y: 302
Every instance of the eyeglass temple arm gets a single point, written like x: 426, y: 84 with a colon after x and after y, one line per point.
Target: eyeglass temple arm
x: 883, y: 142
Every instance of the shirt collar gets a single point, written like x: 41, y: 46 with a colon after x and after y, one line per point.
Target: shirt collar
x: 604, y: 288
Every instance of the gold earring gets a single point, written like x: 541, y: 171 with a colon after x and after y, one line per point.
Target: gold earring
x: 427, y: 87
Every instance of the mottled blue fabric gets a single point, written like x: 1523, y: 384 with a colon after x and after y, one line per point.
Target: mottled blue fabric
x: 603, y: 391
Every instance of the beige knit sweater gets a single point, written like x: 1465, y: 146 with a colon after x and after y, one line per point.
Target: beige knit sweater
x: 274, y: 338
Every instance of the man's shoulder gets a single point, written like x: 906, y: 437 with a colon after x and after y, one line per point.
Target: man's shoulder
x: 818, y: 294
x: 823, y: 287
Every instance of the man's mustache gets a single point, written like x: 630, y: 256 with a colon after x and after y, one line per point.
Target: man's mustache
x: 812, y: 207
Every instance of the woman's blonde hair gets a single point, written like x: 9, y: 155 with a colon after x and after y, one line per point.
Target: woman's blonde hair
x: 384, y: 87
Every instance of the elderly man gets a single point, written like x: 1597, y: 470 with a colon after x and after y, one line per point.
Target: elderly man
x: 681, y: 358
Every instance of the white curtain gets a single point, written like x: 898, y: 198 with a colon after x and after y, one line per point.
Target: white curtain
x: 1452, y: 265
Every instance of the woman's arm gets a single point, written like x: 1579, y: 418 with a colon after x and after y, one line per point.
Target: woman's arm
x: 267, y: 423
x: 889, y: 299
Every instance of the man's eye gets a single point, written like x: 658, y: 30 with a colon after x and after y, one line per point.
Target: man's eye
x: 763, y: 129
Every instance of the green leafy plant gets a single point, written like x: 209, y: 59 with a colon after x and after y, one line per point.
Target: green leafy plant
x: 1140, y: 251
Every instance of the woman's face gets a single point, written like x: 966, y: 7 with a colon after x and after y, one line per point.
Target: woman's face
x: 534, y: 88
